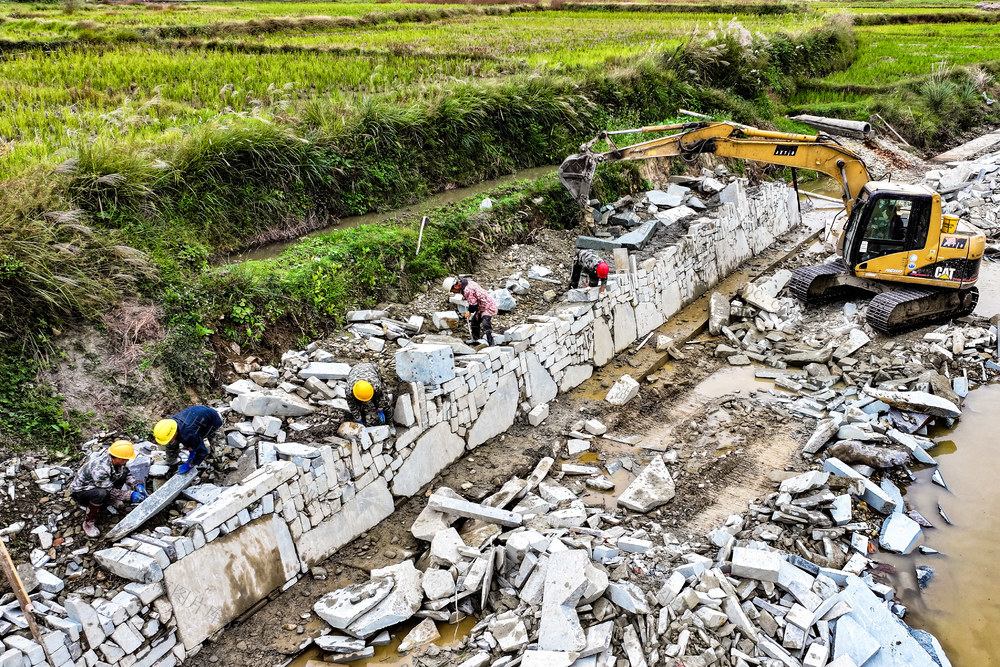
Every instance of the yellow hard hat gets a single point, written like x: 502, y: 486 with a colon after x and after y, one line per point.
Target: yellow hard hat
x: 363, y: 390
x: 122, y: 449
x: 164, y: 431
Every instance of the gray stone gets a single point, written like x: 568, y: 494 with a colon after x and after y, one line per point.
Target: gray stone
x: 403, y: 414
x: 652, y: 488
x: 623, y: 391
x: 595, y: 243
x: 538, y: 414
x: 872, y: 494
x: 899, y: 533
x: 473, y: 511
x: 509, y: 631
x: 242, y: 387
x: 423, y: 633
x: 604, y: 343
x: 916, y: 401
x: 339, y: 643
x: 807, y: 481
x: 49, y: 582
x: 270, y: 402
x: 88, y: 618
x: 675, y: 215
x: 756, y: 564
x: 504, y: 299
x: 574, y: 376
x: 446, y: 548
x: 435, y: 450
x: 400, y: 605
x: 438, y: 584
x: 542, y: 387
x: 345, y: 605
x: 129, y: 565
x: 856, y: 340
x: 325, y: 370
x: 718, y: 313
x: 498, y: 414
x: 430, y: 364
x: 841, y: 510
x: 638, y: 237
x: 560, y: 628
x: 628, y: 596
x: 852, y: 640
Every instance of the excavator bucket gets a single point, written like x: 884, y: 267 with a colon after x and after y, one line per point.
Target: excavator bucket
x: 576, y: 173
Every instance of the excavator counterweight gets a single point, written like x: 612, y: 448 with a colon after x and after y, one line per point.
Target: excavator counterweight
x: 893, y: 236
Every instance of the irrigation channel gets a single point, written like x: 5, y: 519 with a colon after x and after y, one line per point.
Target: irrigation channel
x: 270, y: 250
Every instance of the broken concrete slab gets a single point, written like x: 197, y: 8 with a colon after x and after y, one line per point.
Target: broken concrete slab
x: 916, y: 401
x: 872, y: 494
x: 345, y: 605
x: 652, y: 488
x: 470, y: 510
x: 423, y: 633
x: 271, y: 402
x: 560, y: 629
x: 543, y: 388
x: 362, y: 512
x: 401, y: 604
x: 756, y: 564
x: 623, y: 391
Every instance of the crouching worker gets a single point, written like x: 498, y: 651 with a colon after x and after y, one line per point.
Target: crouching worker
x: 369, y: 402
x: 105, y: 480
x: 188, y: 428
x: 482, y: 307
x: 597, y: 269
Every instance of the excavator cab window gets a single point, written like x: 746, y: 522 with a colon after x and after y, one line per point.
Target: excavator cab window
x: 889, y: 224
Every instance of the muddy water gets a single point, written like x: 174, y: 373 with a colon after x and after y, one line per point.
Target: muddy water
x: 388, y: 655
x: 441, y: 199
x: 961, y: 604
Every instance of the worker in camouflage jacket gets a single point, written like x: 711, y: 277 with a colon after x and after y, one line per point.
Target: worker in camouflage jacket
x: 589, y: 262
x: 106, y: 480
x: 368, y: 400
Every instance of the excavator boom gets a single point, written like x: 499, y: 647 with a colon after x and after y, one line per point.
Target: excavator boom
x: 820, y: 153
x: 894, y: 241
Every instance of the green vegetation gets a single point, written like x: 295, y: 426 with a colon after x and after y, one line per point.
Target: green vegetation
x: 139, y: 141
x: 30, y: 415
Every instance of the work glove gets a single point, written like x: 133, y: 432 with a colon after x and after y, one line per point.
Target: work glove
x: 467, y: 315
x: 138, y: 497
x: 381, y: 417
x: 187, y: 465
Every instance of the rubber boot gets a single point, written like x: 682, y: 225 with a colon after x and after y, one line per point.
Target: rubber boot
x: 89, y: 525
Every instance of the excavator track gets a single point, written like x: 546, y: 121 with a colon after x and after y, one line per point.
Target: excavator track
x: 814, y: 285
x: 910, y: 308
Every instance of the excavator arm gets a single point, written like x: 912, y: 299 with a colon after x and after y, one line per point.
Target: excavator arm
x: 820, y: 153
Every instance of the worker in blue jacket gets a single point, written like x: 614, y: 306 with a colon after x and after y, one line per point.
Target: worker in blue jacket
x: 188, y: 428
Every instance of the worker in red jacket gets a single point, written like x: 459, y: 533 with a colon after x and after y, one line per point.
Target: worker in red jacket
x: 482, y: 307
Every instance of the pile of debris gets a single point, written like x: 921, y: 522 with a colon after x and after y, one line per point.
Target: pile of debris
x: 557, y: 583
x: 631, y: 222
x: 971, y: 190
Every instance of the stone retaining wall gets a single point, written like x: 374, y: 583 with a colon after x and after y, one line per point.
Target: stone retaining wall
x: 305, y: 501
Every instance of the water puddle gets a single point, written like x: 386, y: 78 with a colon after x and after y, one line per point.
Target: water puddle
x: 388, y: 655
x: 440, y: 199
x: 609, y: 499
x: 961, y: 604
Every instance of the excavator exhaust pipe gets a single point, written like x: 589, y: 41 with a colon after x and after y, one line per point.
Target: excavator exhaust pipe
x: 576, y: 173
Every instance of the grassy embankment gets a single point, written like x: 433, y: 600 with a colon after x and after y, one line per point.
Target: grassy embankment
x: 151, y: 160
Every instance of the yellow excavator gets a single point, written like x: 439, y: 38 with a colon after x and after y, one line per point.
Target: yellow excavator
x: 893, y: 242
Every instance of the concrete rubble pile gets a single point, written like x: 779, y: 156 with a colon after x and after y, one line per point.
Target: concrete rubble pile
x: 296, y: 485
x: 970, y: 190
x: 554, y: 582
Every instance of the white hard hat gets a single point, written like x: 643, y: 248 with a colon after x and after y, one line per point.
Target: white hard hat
x: 448, y: 283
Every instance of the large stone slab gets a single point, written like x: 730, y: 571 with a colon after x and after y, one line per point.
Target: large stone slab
x: 560, y: 628
x: 897, y: 646
x: 213, y: 585
x: 604, y: 344
x: 400, y: 605
x: 270, y: 402
x: 152, y: 505
x: 647, y: 318
x: 325, y: 370
x: 899, y: 533
x: 916, y: 401
x: 652, y: 488
x: 435, y: 450
x: 574, y: 376
x: 625, y: 331
x: 430, y: 364
x: 234, y: 499
x: 498, y: 414
x: 543, y: 387
x: 369, y: 506
x: 345, y: 605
